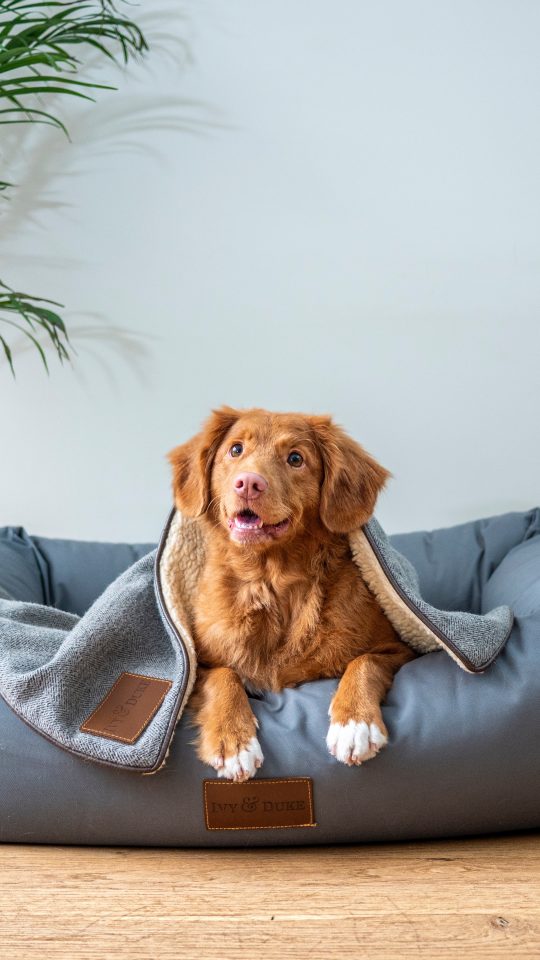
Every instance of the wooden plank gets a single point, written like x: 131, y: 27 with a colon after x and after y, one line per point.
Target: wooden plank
x: 447, y: 899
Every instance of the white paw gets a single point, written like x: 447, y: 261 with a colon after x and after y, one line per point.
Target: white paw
x: 353, y: 742
x: 240, y: 766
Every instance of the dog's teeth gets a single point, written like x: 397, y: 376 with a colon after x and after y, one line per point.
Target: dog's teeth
x: 249, y: 525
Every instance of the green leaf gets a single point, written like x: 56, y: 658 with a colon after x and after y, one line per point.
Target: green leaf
x: 9, y: 356
x: 30, y: 114
x: 36, y: 317
x: 44, y: 79
x: 31, y: 337
x: 51, y: 317
x: 38, y: 40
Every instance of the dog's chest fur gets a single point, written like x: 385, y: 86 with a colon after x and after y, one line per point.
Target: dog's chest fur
x: 272, y: 621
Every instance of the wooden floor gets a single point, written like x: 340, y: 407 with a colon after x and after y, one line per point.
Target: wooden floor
x: 462, y: 899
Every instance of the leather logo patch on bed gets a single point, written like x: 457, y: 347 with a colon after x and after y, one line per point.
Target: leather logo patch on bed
x: 258, y: 804
x: 128, y: 707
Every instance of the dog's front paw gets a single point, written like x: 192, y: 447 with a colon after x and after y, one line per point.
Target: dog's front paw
x: 240, y: 765
x: 355, y: 741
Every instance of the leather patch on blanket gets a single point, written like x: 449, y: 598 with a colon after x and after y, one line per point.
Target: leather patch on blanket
x: 128, y: 707
x: 258, y: 804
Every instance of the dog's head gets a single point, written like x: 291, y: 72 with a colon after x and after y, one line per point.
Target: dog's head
x: 266, y: 477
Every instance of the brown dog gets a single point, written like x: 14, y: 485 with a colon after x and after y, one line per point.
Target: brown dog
x: 280, y: 600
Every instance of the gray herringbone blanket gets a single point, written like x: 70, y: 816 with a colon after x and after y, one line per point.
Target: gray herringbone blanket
x: 111, y: 685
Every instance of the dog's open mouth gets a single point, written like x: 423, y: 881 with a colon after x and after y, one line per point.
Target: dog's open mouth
x: 247, y: 527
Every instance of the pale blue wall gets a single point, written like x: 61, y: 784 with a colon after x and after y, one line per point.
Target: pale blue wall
x: 356, y: 230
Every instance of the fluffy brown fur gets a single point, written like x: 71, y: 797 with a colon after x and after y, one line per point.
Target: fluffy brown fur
x: 284, y: 603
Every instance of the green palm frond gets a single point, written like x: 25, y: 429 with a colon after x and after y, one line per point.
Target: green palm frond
x: 28, y: 315
x: 38, y: 46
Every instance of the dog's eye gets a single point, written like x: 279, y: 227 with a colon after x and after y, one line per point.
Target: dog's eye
x: 295, y: 459
x: 236, y: 450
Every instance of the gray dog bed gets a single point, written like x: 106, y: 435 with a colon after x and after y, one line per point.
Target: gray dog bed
x: 461, y: 756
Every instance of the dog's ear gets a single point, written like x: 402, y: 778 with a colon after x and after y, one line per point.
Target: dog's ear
x: 192, y: 462
x: 352, y: 479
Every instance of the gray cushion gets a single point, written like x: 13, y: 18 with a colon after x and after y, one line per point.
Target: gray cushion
x: 78, y: 572
x: 23, y: 568
x: 462, y: 756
